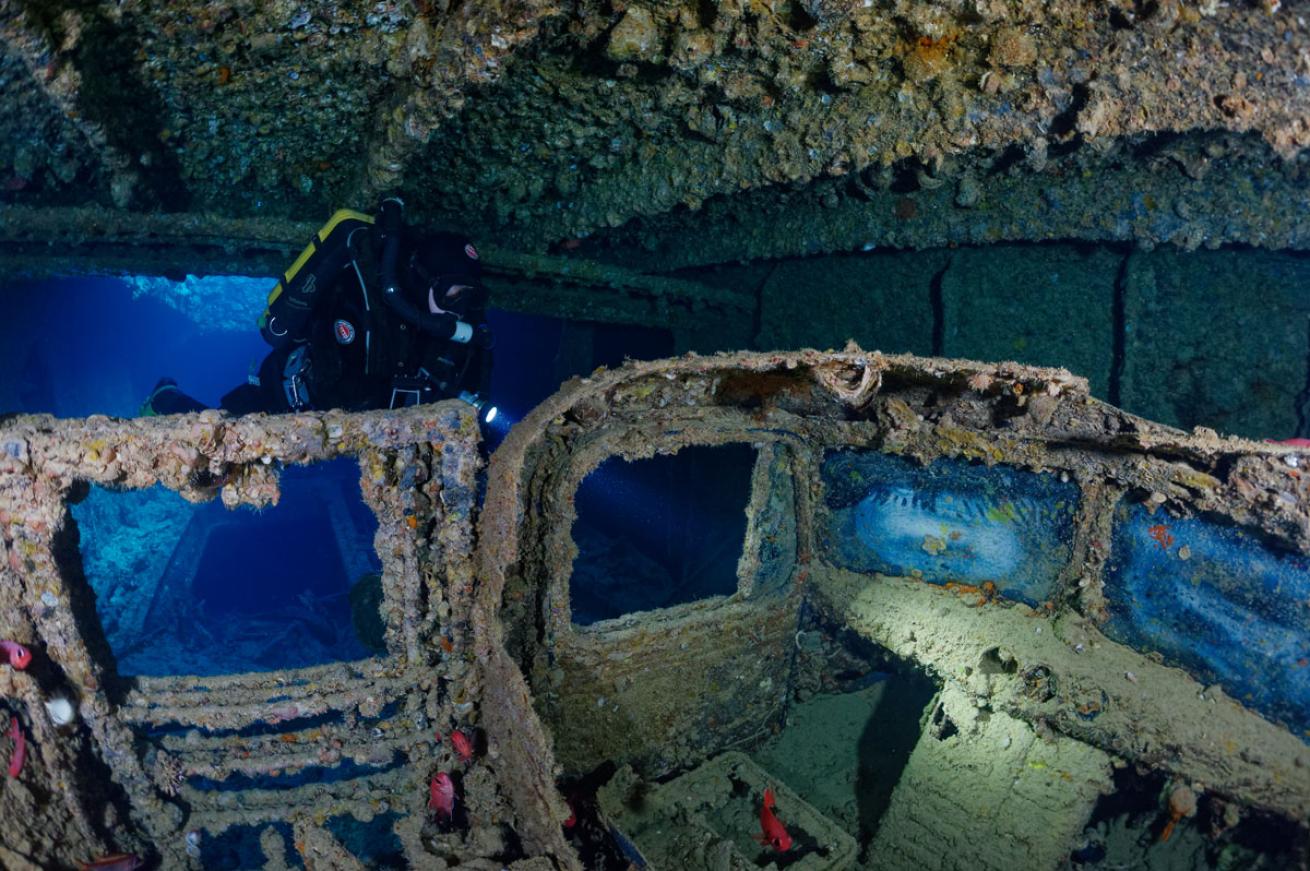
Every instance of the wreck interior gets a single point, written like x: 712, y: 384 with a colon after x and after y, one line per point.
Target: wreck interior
x: 951, y: 614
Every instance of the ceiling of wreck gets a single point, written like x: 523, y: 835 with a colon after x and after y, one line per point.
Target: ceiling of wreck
x: 660, y: 135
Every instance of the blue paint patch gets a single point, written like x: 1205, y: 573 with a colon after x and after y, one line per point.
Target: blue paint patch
x: 1216, y: 600
x: 948, y: 521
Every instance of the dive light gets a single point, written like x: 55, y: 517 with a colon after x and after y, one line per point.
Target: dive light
x: 484, y: 407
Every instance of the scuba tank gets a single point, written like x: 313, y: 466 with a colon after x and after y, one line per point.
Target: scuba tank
x: 313, y: 272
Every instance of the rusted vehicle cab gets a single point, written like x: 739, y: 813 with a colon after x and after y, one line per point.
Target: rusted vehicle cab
x: 1088, y: 591
x: 1085, y: 590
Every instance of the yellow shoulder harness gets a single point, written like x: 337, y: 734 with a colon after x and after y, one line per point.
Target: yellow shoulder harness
x: 337, y: 217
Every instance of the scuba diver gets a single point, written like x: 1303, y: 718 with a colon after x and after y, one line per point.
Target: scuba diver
x: 372, y: 314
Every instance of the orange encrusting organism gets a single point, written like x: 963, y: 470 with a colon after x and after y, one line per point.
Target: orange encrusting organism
x: 934, y: 51
x: 986, y: 591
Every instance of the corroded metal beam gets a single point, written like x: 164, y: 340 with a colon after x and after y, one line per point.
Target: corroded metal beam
x: 35, y: 241
x: 434, y: 447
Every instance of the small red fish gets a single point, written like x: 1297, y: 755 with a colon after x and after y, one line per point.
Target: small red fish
x: 442, y: 794
x: 19, y: 656
x: 116, y: 862
x: 463, y: 746
x: 772, y: 832
x: 20, y: 747
x: 1291, y: 443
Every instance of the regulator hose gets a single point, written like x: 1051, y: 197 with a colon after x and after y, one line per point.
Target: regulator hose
x: 445, y: 326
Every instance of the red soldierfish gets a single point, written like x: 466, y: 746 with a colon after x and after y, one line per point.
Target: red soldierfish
x: 442, y: 794
x: 1291, y: 443
x: 772, y: 832
x: 19, y: 656
x: 116, y: 862
x: 463, y: 746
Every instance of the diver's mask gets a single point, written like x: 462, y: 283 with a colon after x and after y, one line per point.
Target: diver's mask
x: 441, y: 262
x: 452, y: 299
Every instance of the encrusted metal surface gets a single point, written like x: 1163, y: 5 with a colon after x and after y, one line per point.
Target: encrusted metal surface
x: 482, y: 636
x: 802, y: 126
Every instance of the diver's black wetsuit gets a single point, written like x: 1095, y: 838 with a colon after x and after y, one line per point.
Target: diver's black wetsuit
x: 352, y: 326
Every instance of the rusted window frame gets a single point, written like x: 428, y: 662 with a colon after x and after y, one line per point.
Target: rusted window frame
x: 418, y: 473
x: 617, y: 442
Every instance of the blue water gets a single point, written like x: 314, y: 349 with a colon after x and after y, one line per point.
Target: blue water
x: 374, y: 842
x: 950, y: 521
x: 660, y: 531
x: 200, y: 589
x: 85, y: 346
x: 239, y: 847
x: 1217, y: 601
